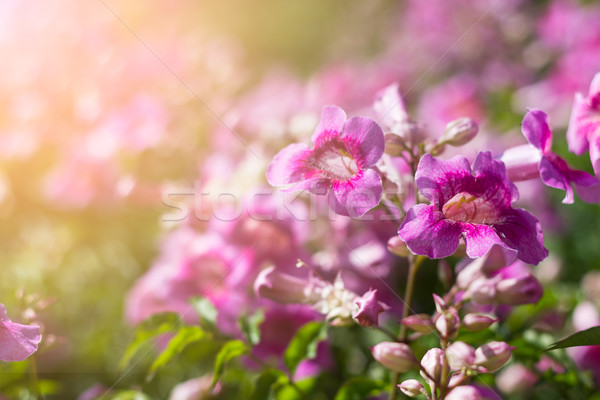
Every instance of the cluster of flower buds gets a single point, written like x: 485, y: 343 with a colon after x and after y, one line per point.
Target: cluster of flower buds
x: 485, y: 282
x: 443, y: 370
x: 339, y: 305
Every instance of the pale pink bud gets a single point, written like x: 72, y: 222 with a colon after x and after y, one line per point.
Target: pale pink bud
x: 475, y: 322
x: 522, y: 162
x: 395, y: 144
x: 460, y: 355
x: 459, y: 132
x: 280, y: 287
x: 412, y: 388
x: 515, y: 379
x: 482, y: 291
x: 465, y: 393
x: 398, y: 247
x: 369, y: 309
x: 419, y: 323
x: 516, y: 291
x: 432, y: 363
x: 398, y: 357
x: 492, y: 356
x: 440, y: 303
x: 470, y: 273
x: 448, y: 323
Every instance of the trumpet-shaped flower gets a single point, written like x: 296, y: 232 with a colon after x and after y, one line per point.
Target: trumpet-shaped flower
x: 554, y: 171
x: 472, y: 204
x: 584, y: 125
x: 340, y: 163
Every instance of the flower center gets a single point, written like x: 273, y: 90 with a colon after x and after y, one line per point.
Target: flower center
x: 333, y: 160
x: 465, y: 207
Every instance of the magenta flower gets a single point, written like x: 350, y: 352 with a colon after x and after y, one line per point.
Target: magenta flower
x: 17, y: 342
x: 474, y: 205
x: 340, y: 163
x: 554, y: 170
x: 584, y: 125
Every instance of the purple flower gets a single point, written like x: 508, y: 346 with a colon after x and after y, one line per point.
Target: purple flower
x: 17, y: 342
x: 340, y: 163
x: 554, y: 171
x: 474, y: 205
x: 584, y: 125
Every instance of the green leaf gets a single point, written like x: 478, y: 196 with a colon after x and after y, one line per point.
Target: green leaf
x: 250, y: 326
x: 264, y: 383
x: 157, y: 324
x: 130, y: 395
x: 185, y: 336
x: 583, y: 338
x: 206, y: 309
x: 359, y: 388
x: 231, y: 350
x: 304, y: 344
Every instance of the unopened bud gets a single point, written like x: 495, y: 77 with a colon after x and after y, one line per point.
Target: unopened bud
x: 280, y: 287
x: 398, y: 357
x: 448, y: 323
x: 475, y: 322
x: 460, y: 355
x: 398, y: 247
x: 412, y: 388
x: 459, y: 132
x: 522, y: 162
x: 369, y: 309
x: 482, y: 291
x: 516, y: 291
x: 419, y: 322
x: 492, y: 356
x: 433, y: 363
x: 465, y: 392
x: 395, y: 144
x: 516, y: 378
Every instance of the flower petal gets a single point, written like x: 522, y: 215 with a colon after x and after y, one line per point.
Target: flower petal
x: 357, y: 196
x: 492, y: 181
x: 390, y: 107
x: 479, y: 239
x: 289, y: 165
x: 439, y: 180
x: 537, y: 131
x: 17, y: 342
x: 554, y: 172
x: 364, y: 140
x: 332, y: 120
x: 522, y: 231
x: 582, y: 123
x: 426, y: 232
x: 595, y: 148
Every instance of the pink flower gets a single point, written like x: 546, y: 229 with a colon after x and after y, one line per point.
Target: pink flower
x: 553, y: 170
x: 340, y: 163
x: 584, y: 125
x: 17, y: 342
x: 472, y: 204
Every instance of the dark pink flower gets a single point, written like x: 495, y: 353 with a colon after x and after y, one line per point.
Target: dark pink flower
x: 17, y: 342
x: 584, y: 125
x: 554, y: 171
x: 340, y: 163
x: 472, y: 204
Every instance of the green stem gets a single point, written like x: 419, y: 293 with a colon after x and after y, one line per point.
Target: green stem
x: 34, y: 377
x: 414, y: 262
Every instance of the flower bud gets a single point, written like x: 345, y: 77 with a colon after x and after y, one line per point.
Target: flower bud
x: 515, y: 379
x: 465, y: 393
x: 482, y: 291
x: 419, y: 323
x: 492, y: 356
x: 369, y: 309
x: 440, y: 303
x: 516, y: 291
x: 448, y: 323
x: 398, y: 247
x: 279, y: 287
x: 412, y: 388
x: 459, y: 132
x: 460, y: 355
x: 475, y: 322
x: 433, y: 363
x: 395, y: 144
x: 398, y: 357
